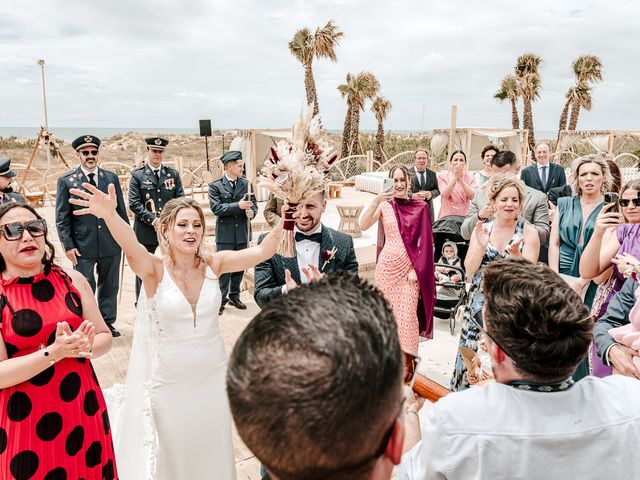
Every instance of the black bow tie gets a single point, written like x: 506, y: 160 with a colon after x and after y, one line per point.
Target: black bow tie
x: 314, y: 237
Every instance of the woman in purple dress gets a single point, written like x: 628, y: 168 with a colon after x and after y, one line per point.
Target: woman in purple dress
x: 617, y: 232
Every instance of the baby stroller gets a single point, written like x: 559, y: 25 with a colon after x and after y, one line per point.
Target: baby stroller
x: 450, y: 295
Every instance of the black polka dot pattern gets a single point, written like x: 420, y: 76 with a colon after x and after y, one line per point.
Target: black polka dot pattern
x: 91, y: 405
x: 105, y: 422
x: 24, y: 465
x: 11, y: 349
x: 3, y: 440
x: 74, y: 442
x: 49, y: 426
x: 70, y: 387
x: 52, y: 338
x: 44, y: 377
x: 26, y: 322
x: 18, y: 406
x: 56, y: 474
x: 72, y: 300
x: 108, y: 471
x: 43, y: 291
x: 93, y: 456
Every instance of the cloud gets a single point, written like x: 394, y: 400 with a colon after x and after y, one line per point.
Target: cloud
x: 163, y: 63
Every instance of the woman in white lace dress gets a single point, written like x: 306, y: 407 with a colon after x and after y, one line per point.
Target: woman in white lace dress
x: 174, y: 421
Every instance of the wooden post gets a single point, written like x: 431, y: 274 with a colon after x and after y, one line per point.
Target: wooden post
x: 452, y: 129
x: 33, y: 155
x: 369, y: 161
x: 610, y: 146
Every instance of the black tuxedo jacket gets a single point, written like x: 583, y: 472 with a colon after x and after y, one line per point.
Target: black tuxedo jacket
x: 556, y: 177
x: 430, y: 185
x: 87, y: 233
x: 269, y: 275
x: 231, y: 220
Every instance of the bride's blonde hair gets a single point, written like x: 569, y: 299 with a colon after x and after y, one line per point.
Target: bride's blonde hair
x: 167, y: 221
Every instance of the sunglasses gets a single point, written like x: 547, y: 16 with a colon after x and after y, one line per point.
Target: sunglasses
x: 624, y: 202
x: 14, y: 231
x: 86, y: 153
x: 490, y: 337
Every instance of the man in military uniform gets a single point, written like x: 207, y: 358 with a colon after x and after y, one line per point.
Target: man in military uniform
x: 86, y: 238
x: 152, y: 186
x: 234, y: 209
x: 6, y: 179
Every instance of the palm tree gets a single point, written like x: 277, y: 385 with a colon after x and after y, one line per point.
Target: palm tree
x: 380, y: 107
x: 587, y: 69
x: 306, y: 46
x: 528, y: 75
x: 581, y: 98
x: 358, y: 89
x: 564, y: 116
x: 509, y: 90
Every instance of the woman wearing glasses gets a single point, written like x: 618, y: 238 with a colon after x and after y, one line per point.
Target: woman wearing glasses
x: 53, y: 418
x: 508, y: 235
x: 617, y: 232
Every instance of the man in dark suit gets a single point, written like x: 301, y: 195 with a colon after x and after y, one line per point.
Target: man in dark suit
x: 543, y: 175
x: 314, y: 244
x: 152, y: 185
x: 612, y: 353
x: 424, y: 181
x: 86, y: 238
x: 6, y: 179
x: 234, y: 209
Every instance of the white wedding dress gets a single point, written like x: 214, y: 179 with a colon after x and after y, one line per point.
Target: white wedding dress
x: 173, y: 419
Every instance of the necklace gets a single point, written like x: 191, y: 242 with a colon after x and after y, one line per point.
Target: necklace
x: 544, y: 387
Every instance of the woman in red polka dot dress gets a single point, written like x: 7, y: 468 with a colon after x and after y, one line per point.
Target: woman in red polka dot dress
x: 53, y: 419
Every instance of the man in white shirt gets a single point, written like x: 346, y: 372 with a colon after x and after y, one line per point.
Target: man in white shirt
x: 319, y: 250
x: 533, y: 422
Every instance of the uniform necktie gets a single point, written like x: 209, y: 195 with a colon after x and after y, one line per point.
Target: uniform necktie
x: 92, y: 179
x: 157, y: 174
x: 314, y: 237
x: 544, y: 176
x: 233, y: 184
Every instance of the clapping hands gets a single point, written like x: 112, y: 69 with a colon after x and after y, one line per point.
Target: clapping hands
x: 69, y: 344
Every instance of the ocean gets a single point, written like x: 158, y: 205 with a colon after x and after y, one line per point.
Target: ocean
x: 68, y: 134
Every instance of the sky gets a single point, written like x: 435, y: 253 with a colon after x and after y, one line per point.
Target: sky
x: 168, y: 63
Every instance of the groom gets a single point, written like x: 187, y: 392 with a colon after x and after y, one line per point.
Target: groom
x: 313, y: 247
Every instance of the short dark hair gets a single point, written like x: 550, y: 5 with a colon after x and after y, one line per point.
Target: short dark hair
x: 455, y: 152
x: 315, y: 380
x: 539, y: 321
x: 487, y: 148
x: 503, y: 158
x: 49, y: 250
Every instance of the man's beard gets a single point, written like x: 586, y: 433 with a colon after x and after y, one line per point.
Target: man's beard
x: 7, y: 189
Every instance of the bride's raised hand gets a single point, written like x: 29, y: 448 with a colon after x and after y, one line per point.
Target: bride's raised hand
x: 95, y: 202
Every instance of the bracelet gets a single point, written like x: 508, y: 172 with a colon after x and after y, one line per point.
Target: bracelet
x: 47, y: 355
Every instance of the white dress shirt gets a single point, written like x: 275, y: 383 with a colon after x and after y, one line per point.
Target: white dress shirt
x: 95, y: 176
x: 307, y: 253
x: 591, y: 430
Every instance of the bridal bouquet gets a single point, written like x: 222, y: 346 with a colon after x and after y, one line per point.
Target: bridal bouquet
x: 297, y: 168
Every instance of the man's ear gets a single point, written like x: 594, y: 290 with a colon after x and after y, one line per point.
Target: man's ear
x: 394, y: 448
x: 497, y: 354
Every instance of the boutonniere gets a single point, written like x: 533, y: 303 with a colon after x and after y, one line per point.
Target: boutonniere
x: 169, y: 183
x: 327, y: 256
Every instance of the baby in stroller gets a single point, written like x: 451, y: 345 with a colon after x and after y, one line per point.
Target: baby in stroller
x: 449, y: 257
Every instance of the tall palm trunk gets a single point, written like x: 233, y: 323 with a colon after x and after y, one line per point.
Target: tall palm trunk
x: 377, y: 151
x: 575, y: 112
x: 354, y: 135
x: 527, y: 122
x: 515, y: 120
x: 346, y: 132
x: 310, y: 88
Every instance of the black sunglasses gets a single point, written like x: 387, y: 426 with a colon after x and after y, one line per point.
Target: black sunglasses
x: 86, y: 153
x: 490, y: 337
x: 624, y: 202
x: 14, y: 231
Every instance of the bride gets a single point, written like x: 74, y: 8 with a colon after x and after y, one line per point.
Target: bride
x: 174, y: 421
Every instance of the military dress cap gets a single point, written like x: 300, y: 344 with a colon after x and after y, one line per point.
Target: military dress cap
x: 231, y: 156
x: 156, y: 143
x: 5, y: 167
x: 85, y: 141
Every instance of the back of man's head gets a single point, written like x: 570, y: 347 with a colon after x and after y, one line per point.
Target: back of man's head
x: 504, y: 158
x: 536, y: 318
x: 315, y: 380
